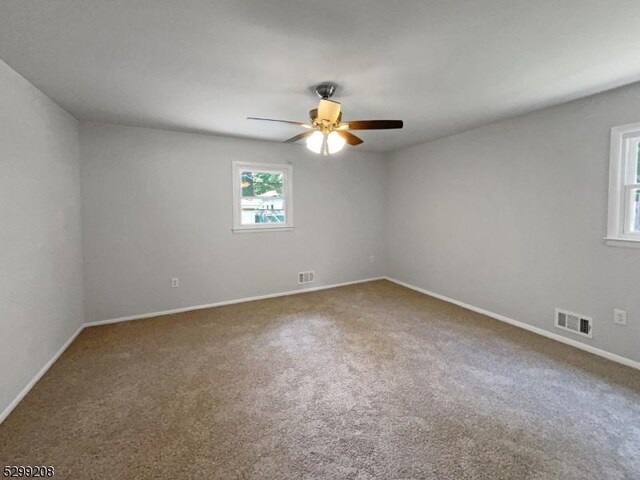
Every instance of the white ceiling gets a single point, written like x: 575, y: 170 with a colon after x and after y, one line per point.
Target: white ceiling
x: 441, y: 66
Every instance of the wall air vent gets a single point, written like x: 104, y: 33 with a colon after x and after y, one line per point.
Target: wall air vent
x: 574, y: 322
x: 306, y: 277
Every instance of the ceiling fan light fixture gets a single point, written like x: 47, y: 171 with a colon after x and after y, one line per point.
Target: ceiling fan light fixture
x: 325, y: 144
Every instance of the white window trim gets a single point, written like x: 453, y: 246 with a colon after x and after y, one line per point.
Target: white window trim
x: 617, y: 230
x: 237, y: 167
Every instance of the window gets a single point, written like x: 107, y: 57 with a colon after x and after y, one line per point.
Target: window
x: 623, y: 227
x: 262, y: 197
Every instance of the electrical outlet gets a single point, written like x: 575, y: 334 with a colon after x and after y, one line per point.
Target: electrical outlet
x: 175, y: 282
x: 372, y: 259
x: 620, y: 317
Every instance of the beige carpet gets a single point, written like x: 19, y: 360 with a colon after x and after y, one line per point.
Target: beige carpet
x: 359, y: 382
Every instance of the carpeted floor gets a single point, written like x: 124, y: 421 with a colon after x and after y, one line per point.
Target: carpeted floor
x: 359, y: 382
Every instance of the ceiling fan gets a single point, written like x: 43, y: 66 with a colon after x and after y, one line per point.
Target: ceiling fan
x: 327, y: 133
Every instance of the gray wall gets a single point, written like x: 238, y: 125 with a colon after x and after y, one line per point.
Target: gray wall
x: 511, y: 218
x: 157, y: 204
x: 41, y: 261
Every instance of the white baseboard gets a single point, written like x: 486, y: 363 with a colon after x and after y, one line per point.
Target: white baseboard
x: 227, y: 302
x: 5, y: 413
x: 553, y: 336
x: 602, y: 353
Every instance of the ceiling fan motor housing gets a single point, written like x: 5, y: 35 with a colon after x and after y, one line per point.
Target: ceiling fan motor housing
x: 313, y: 115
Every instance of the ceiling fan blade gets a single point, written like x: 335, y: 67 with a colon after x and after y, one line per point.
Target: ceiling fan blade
x: 349, y: 137
x: 300, y: 124
x: 329, y: 110
x: 373, y: 124
x: 298, y: 137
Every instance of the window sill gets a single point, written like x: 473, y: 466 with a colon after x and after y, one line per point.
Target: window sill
x: 622, y: 242
x: 262, y: 229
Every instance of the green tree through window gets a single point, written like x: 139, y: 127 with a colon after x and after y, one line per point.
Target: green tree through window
x: 259, y: 183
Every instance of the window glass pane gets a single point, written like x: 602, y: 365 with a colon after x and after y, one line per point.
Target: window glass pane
x: 635, y: 210
x: 638, y: 162
x: 261, y: 184
x: 262, y: 210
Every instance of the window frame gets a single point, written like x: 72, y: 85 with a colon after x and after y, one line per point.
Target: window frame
x: 287, y: 171
x: 621, y: 164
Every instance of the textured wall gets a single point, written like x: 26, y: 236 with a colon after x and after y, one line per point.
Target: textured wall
x: 511, y: 218
x: 41, y: 261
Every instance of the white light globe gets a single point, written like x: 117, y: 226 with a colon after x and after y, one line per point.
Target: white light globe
x: 314, y: 142
x: 335, y: 142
